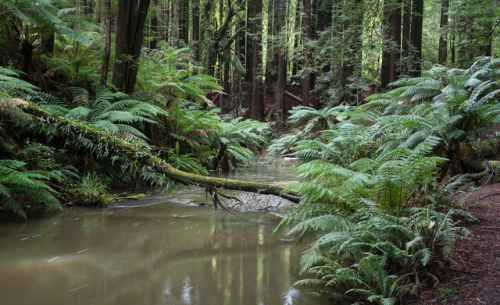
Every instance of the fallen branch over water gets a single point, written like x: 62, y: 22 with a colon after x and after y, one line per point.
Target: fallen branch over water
x: 130, y: 150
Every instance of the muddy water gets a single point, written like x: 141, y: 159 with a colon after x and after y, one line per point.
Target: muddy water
x: 151, y: 251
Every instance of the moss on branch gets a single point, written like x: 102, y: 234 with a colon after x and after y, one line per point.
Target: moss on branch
x: 132, y: 151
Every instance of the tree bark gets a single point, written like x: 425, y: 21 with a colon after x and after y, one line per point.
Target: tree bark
x: 195, y: 13
x: 405, y: 67
x: 352, y: 56
x: 443, y: 37
x: 119, y: 146
x: 416, y: 35
x: 392, y: 41
x: 107, y: 46
x: 176, y: 23
x: 306, y: 78
x: 279, y: 92
x: 257, y: 101
x: 270, y: 56
x: 129, y: 36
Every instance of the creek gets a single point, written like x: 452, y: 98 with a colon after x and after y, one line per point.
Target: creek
x: 157, y: 250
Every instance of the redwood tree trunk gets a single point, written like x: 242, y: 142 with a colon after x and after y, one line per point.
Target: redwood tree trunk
x: 129, y: 36
x: 257, y: 101
x: 392, y: 41
x: 416, y: 35
x: 405, y: 67
x: 306, y: 79
x: 195, y: 13
x: 282, y: 65
x: 352, y: 56
x: 107, y: 46
x: 443, y: 37
x: 176, y: 23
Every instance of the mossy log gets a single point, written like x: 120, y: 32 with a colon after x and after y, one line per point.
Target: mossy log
x: 120, y: 146
x: 479, y: 165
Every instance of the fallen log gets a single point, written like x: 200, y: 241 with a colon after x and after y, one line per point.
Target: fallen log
x: 298, y: 99
x: 480, y: 165
x: 120, y: 146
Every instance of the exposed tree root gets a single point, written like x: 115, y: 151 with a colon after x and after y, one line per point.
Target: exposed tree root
x: 462, y: 179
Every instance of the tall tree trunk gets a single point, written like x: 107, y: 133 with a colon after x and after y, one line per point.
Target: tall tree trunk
x: 153, y: 43
x: 392, y: 41
x: 270, y: 58
x: 416, y: 35
x: 107, y: 46
x: 406, y: 37
x: 282, y: 67
x: 248, y: 45
x: 97, y: 12
x: 257, y: 102
x: 324, y: 13
x: 236, y: 82
x: 129, y: 36
x: 306, y: 78
x: 352, y: 56
x: 195, y: 13
x: 176, y: 23
x: 184, y: 21
x: 443, y: 37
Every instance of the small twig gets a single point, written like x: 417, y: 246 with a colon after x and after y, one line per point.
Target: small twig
x: 462, y: 271
x: 217, y: 201
x: 493, y: 228
x: 489, y: 195
x: 231, y: 198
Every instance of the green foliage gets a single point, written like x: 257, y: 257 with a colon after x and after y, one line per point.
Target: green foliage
x: 369, y: 253
x: 43, y: 157
x: 455, y: 105
x: 185, y: 162
x: 364, y: 179
x: 19, y: 187
x: 93, y: 190
x: 114, y: 112
x: 388, y: 181
x: 234, y: 138
x: 172, y: 74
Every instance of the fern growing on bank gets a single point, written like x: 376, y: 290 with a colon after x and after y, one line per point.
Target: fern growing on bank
x: 234, y: 138
x: 21, y: 188
x: 368, y: 253
x: 113, y: 112
x: 365, y: 179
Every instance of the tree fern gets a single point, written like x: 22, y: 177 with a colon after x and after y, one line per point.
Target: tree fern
x: 115, y: 116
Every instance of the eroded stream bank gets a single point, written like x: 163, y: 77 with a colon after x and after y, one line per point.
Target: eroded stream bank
x: 151, y: 251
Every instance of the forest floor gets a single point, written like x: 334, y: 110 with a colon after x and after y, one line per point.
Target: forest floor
x: 477, y: 278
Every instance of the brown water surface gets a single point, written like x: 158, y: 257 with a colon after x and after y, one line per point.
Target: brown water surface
x: 151, y: 251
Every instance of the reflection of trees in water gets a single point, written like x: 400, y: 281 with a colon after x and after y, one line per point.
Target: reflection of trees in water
x: 144, y: 257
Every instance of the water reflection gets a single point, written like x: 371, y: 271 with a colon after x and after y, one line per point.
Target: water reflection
x: 154, y: 253
x: 148, y: 252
